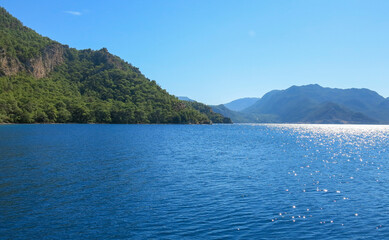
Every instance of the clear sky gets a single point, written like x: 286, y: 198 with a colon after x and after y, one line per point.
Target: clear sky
x: 220, y: 50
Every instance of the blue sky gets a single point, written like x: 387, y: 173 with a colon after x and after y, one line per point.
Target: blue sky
x: 220, y: 50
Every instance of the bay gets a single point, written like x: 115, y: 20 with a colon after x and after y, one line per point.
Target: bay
x: 234, y: 181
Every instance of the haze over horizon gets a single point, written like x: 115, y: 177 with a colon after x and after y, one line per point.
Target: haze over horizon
x: 219, y: 51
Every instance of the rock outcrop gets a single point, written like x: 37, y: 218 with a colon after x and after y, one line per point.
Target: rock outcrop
x: 39, y: 66
x: 8, y: 65
x: 52, y: 56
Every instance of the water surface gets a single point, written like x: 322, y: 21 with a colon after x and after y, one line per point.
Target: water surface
x: 194, y: 181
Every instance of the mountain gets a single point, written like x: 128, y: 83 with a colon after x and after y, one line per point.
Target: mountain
x: 240, y: 104
x: 215, y: 117
x: 236, y: 117
x: 241, y: 117
x: 185, y: 99
x: 316, y: 104
x: 335, y: 114
x: 205, y: 109
x: 42, y: 80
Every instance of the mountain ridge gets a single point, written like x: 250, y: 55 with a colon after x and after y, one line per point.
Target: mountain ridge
x: 315, y: 104
x: 241, y: 103
x: 292, y: 104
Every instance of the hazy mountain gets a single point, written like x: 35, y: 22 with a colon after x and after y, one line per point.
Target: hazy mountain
x: 334, y: 113
x: 182, y: 98
x: 236, y: 117
x: 240, y: 104
x: 44, y: 81
x: 313, y: 103
x: 241, y: 117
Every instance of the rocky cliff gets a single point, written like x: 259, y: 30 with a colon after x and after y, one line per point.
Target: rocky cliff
x: 39, y: 66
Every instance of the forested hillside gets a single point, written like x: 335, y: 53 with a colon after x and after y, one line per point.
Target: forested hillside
x: 208, y: 111
x: 44, y: 81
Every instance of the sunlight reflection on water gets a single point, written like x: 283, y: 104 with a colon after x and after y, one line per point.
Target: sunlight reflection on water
x: 340, y: 162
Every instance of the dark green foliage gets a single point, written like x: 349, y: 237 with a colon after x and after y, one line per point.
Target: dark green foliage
x: 55, y: 99
x: 214, y: 117
x: 89, y: 86
x: 19, y: 41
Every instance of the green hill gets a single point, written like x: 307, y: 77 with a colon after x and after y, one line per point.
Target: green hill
x: 208, y: 111
x: 44, y: 81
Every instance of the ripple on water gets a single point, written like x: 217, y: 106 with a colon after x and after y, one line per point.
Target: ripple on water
x: 172, y: 181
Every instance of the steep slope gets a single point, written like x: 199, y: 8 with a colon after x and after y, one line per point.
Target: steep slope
x: 295, y: 103
x: 240, y: 104
x: 44, y: 81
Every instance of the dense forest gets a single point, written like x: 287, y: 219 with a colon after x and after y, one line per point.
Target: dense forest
x: 43, y: 81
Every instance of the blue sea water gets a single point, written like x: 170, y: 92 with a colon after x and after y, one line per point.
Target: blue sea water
x: 194, y: 182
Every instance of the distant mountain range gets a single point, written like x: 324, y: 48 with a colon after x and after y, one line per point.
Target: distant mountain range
x: 185, y: 99
x: 313, y: 104
x: 241, y: 103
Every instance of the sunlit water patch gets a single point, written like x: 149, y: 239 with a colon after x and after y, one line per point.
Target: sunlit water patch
x: 340, y: 175
x: 253, y: 181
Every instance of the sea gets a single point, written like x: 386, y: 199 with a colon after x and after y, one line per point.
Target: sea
x: 233, y: 181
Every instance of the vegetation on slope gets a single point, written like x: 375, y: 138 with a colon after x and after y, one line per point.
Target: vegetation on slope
x: 46, y: 82
x: 207, y: 110
x: 19, y: 41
